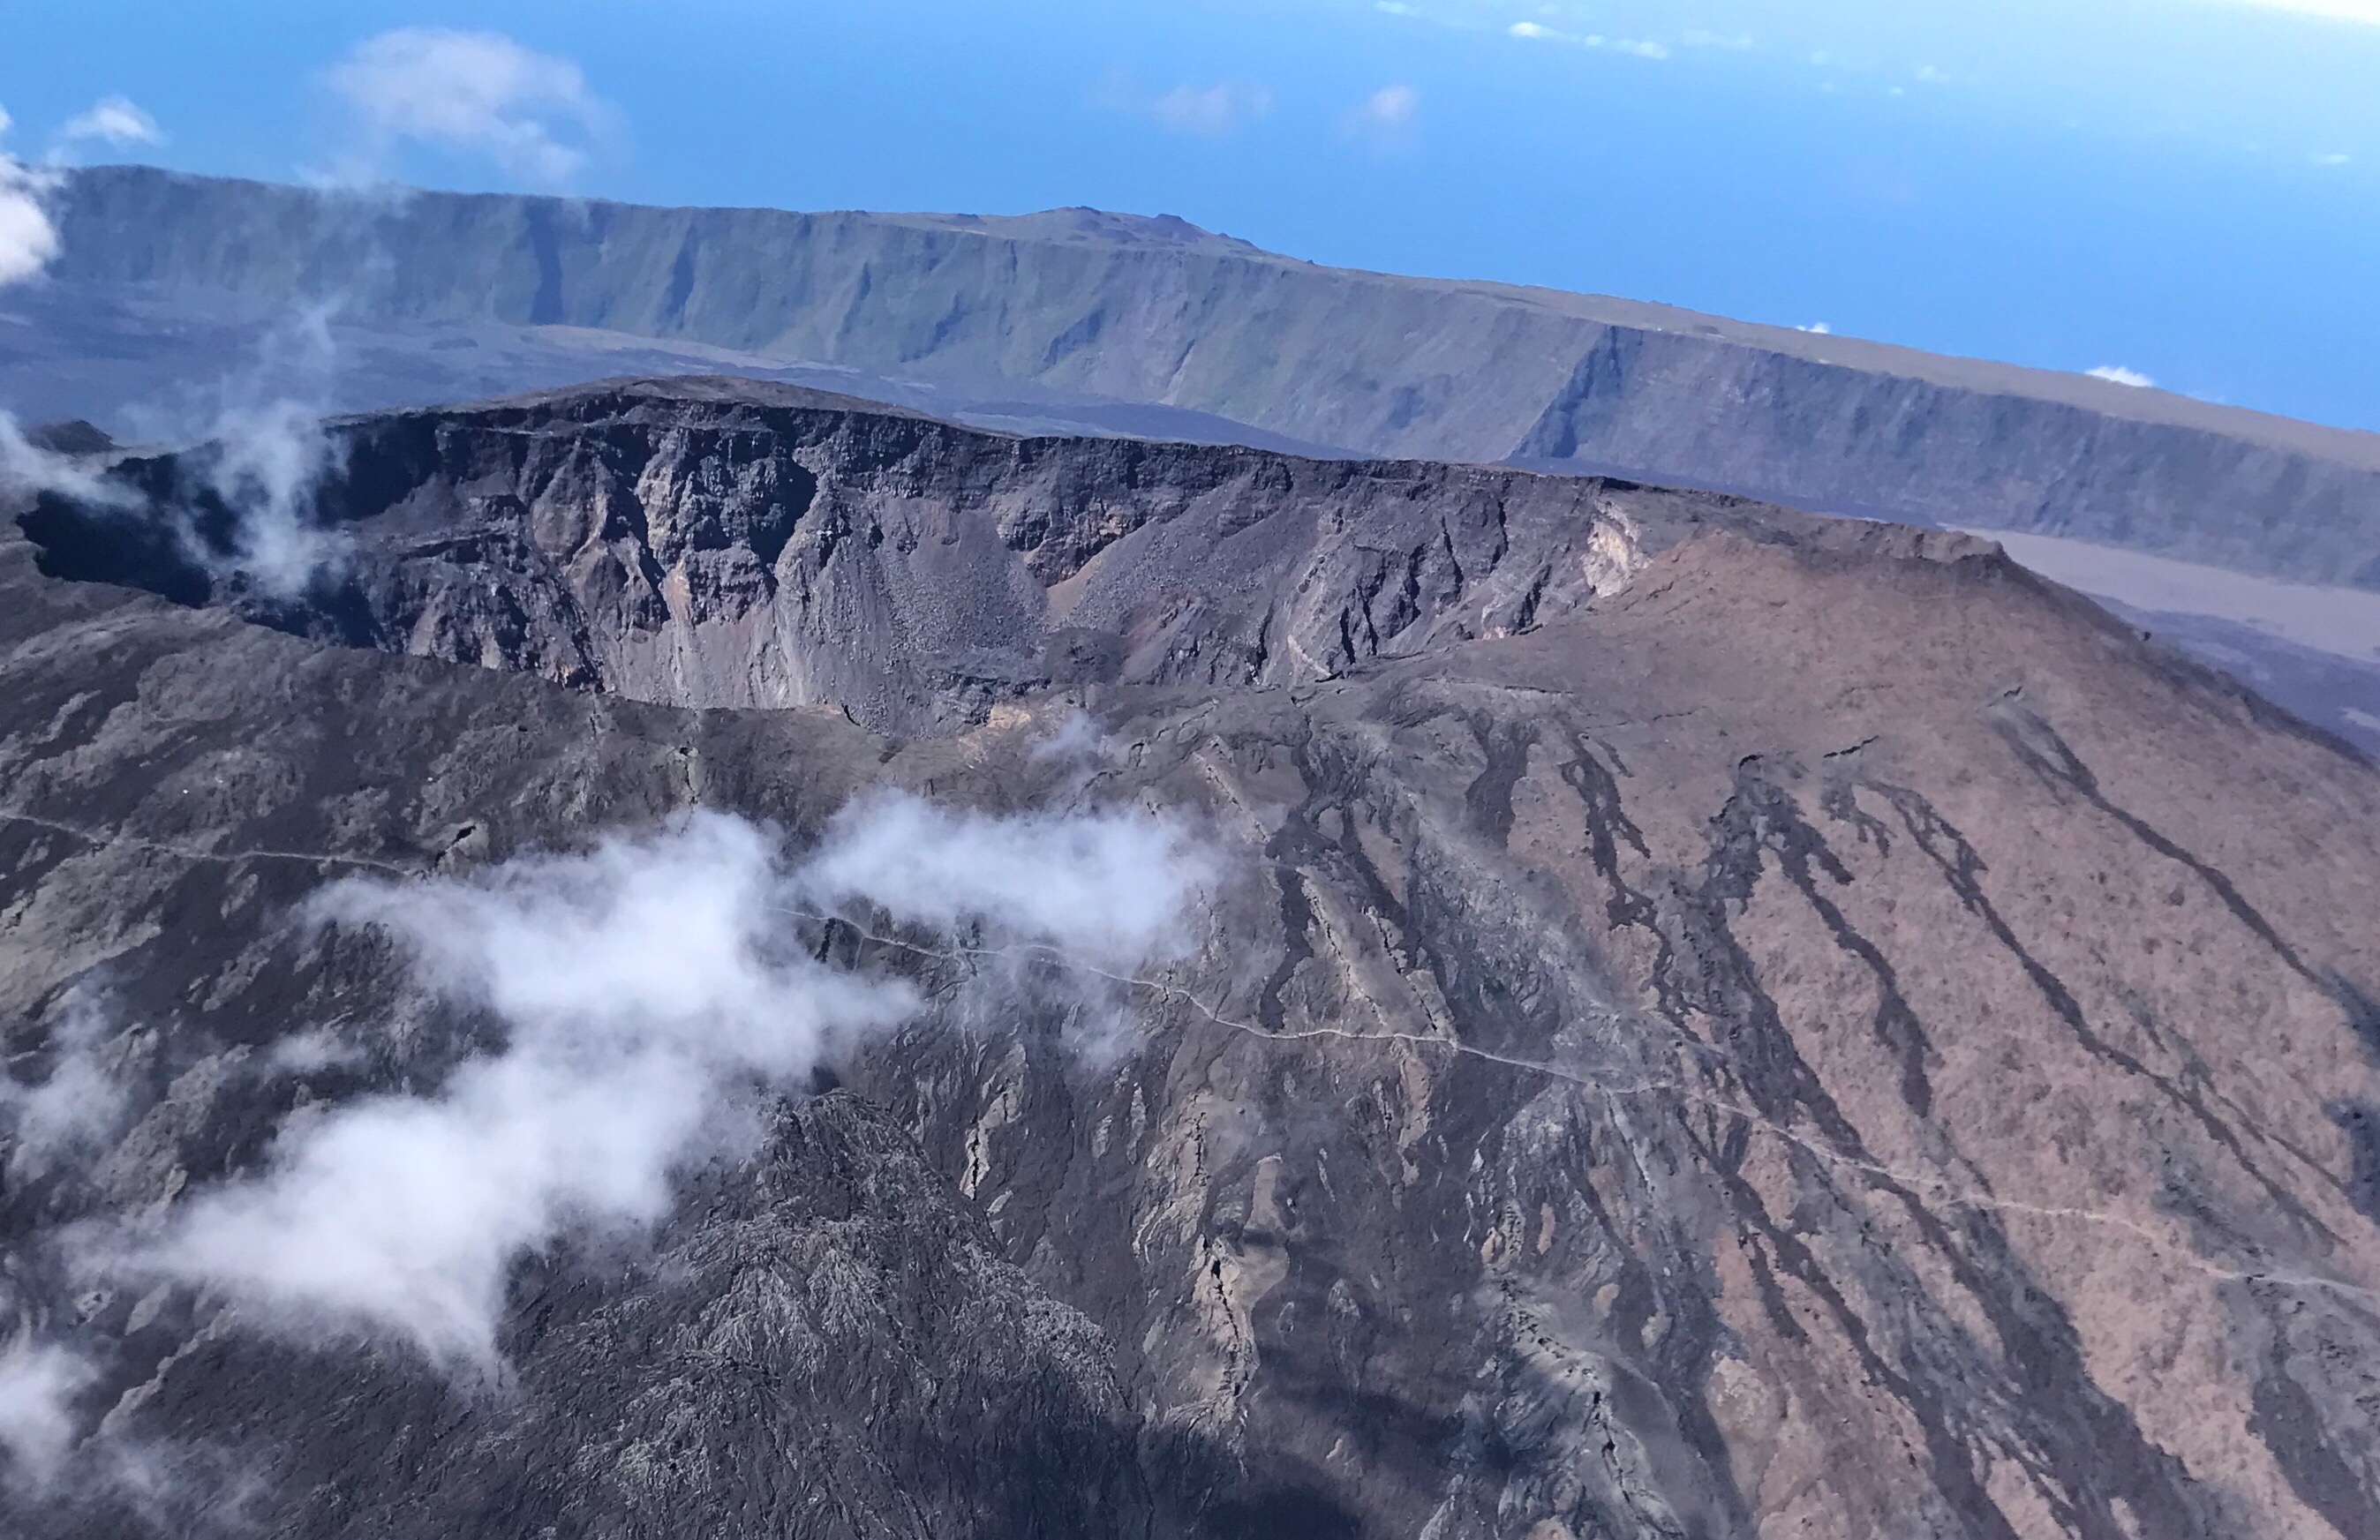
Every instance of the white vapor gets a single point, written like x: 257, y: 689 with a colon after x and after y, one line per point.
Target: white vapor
x: 266, y: 455
x: 266, y: 462
x: 37, y: 1425
x: 1384, y: 115
x: 28, y: 240
x: 263, y: 453
x: 2366, y: 11
x: 1210, y: 110
x: 115, y: 120
x: 475, y: 92
x: 1534, y: 32
x: 26, y: 466
x: 1110, y: 885
x: 650, y: 990
x: 2119, y: 375
x: 77, y: 1106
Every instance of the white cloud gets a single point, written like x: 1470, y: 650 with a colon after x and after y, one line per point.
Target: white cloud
x: 113, y: 120
x: 267, y: 457
x: 1384, y: 118
x: 1390, y: 106
x: 1210, y: 110
x: 1111, y: 885
x: 37, y: 1426
x: 2366, y: 11
x: 263, y: 457
x: 2336, y: 158
x: 28, y: 240
x: 475, y: 92
x: 1816, y: 328
x: 1537, y: 32
x: 24, y: 467
x: 77, y: 1105
x: 648, y: 989
x: 2119, y: 375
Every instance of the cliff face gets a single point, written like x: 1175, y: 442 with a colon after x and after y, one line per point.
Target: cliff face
x: 1152, y: 311
x: 1809, y: 1030
x: 718, y: 543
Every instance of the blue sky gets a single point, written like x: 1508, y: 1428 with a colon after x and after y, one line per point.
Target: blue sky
x: 2188, y: 189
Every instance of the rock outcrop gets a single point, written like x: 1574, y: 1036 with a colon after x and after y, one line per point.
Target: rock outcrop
x: 1153, y: 311
x: 725, y: 543
x: 1809, y: 1029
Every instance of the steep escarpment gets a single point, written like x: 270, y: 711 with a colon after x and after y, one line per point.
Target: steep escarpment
x: 1825, y: 432
x: 1153, y: 311
x: 723, y: 543
x: 1824, y: 1033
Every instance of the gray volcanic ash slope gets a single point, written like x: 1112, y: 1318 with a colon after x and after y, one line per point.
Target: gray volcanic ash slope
x: 1707, y: 1021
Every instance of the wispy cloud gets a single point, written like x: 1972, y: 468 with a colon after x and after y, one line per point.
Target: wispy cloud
x: 75, y: 1105
x: 1210, y: 110
x: 2364, y: 11
x: 1390, y: 106
x: 37, y: 1425
x: 1535, y: 32
x: 246, y: 510
x: 268, y: 456
x: 1384, y: 118
x: 28, y: 467
x: 1206, y: 110
x: 117, y: 121
x: 2116, y: 374
x: 28, y: 240
x: 480, y: 94
x: 651, y: 992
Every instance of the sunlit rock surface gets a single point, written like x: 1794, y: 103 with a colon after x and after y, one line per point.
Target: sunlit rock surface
x: 1799, y: 1027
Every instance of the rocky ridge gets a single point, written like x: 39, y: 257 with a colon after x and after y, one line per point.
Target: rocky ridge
x: 1808, y: 1028
x: 714, y: 543
x: 1155, y: 312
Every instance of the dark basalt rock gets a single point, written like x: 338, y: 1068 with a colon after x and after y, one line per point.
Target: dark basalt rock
x: 1720, y: 1025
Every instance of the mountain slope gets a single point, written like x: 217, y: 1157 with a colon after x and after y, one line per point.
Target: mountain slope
x: 718, y: 542
x: 1821, y: 1032
x: 1154, y: 311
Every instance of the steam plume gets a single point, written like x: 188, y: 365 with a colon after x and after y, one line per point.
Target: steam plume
x: 26, y: 466
x: 267, y: 457
x: 264, y: 455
